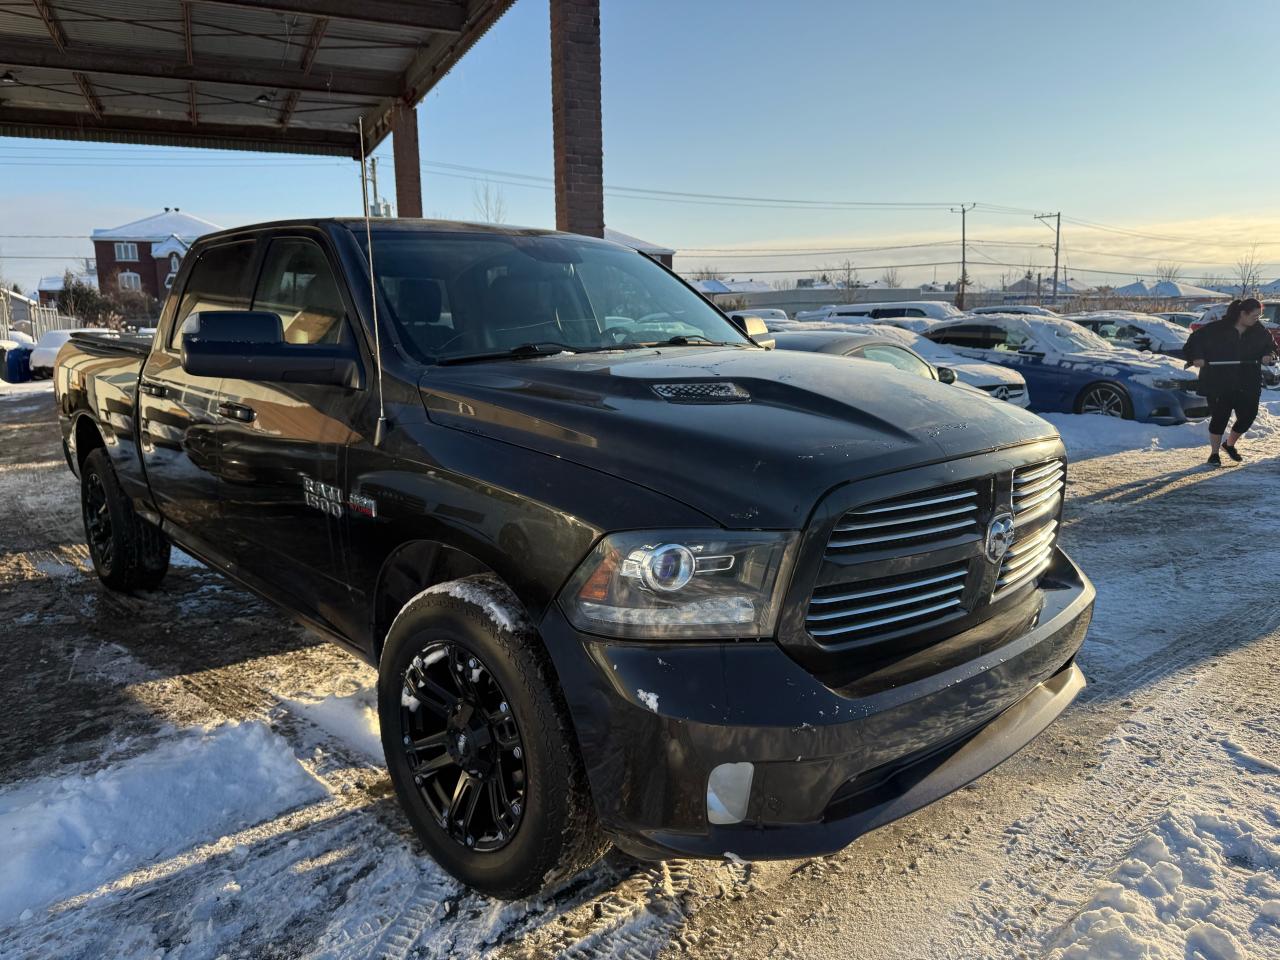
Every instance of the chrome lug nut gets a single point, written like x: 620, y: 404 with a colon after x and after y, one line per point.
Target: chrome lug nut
x: 502, y: 707
x: 517, y: 753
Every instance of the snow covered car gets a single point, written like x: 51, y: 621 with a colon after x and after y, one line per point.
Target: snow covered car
x: 1270, y: 317
x: 1069, y: 369
x: 912, y: 314
x: 1024, y: 308
x: 1135, y: 331
x: 46, y: 350
x: 767, y: 314
x: 999, y: 382
x: 1183, y: 318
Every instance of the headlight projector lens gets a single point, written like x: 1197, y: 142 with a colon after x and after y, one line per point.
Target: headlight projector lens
x: 667, y: 568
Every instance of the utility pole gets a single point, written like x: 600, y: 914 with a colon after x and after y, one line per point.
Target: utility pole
x: 963, y: 209
x: 1057, y: 243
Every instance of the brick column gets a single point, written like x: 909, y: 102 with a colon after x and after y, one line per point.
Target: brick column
x: 404, y: 146
x: 575, y: 116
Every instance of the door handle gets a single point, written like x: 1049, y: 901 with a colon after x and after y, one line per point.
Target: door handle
x: 152, y: 389
x: 237, y: 411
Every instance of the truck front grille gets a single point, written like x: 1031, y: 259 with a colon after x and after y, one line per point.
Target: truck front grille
x: 1037, y: 491
x: 914, y: 519
x: 870, y: 608
x: 935, y: 542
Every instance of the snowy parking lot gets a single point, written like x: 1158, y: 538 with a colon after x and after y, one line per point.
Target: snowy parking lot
x: 187, y: 774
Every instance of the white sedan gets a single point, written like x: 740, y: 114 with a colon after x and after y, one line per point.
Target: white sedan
x: 46, y: 350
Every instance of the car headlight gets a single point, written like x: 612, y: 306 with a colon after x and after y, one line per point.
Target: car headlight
x: 666, y: 584
x: 1167, y: 383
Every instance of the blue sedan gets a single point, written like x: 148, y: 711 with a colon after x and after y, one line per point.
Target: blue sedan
x: 1069, y: 369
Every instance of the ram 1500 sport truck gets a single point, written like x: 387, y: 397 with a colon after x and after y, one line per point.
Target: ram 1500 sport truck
x: 626, y: 576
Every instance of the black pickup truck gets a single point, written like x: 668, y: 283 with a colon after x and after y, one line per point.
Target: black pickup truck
x: 626, y: 576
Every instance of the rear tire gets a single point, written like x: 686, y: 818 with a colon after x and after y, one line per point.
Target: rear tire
x: 491, y: 713
x: 127, y: 552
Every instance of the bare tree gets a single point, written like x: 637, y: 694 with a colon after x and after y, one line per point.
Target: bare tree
x: 891, y: 277
x: 844, y: 275
x: 1171, y: 272
x: 489, y: 202
x: 1213, y: 281
x: 1008, y: 279
x: 1249, y: 272
x: 707, y: 273
x: 784, y: 284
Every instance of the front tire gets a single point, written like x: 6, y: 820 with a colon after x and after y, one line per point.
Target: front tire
x: 127, y: 552
x: 1105, y: 399
x: 479, y: 743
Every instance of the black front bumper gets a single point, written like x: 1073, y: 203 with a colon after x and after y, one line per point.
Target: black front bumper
x: 653, y: 721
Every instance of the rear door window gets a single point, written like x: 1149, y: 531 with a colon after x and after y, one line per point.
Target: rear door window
x: 974, y: 336
x: 298, y: 285
x: 218, y: 281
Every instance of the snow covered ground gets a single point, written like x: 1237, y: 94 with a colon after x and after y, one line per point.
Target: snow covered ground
x: 185, y: 774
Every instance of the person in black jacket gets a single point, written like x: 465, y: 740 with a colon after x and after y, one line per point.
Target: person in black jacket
x: 1229, y: 354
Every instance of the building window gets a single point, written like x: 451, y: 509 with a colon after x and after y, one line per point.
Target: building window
x: 129, y: 280
x: 126, y: 251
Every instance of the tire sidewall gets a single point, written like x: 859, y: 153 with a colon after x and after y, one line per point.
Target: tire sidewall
x: 435, y: 617
x: 98, y: 464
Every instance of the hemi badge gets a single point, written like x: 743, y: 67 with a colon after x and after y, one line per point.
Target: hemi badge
x: 365, y: 506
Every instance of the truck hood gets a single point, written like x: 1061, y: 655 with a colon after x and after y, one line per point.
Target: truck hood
x: 808, y: 422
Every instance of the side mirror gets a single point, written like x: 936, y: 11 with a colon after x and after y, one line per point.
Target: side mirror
x: 755, y: 329
x: 946, y: 375
x: 1142, y: 343
x: 250, y: 345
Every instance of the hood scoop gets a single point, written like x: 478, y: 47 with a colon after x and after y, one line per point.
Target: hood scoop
x: 707, y: 391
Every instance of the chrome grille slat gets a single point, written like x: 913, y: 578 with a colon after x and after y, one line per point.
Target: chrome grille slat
x: 1027, y: 474
x: 913, y: 518
x: 913, y: 504
x: 895, y: 588
x: 885, y: 621
x: 1003, y: 587
x: 886, y: 605
x: 1028, y: 502
x: 1049, y: 480
x: 904, y: 535
x: 1040, y: 536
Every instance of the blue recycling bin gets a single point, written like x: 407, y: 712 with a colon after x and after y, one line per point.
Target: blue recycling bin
x: 17, y: 364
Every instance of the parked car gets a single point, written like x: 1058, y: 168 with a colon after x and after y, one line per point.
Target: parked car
x: 1135, y: 331
x: 46, y: 351
x: 1183, y: 318
x: 922, y: 312
x: 625, y: 576
x: 999, y: 382
x: 867, y: 346
x: 1270, y: 317
x: 1022, y: 308
x: 767, y: 314
x: 1069, y: 369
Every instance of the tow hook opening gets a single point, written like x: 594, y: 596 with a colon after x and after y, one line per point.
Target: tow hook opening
x: 729, y: 792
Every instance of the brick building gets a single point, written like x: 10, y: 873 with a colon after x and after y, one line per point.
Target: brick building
x: 145, y: 255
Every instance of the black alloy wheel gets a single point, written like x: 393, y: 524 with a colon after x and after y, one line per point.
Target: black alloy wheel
x: 463, y: 746
x: 97, y: 520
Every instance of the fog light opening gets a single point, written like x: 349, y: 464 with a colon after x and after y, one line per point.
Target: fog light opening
x: 729, y: 792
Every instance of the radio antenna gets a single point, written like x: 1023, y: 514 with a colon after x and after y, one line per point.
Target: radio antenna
x: 381, y: 428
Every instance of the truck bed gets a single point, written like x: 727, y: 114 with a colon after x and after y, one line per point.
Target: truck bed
x: 129, y: 344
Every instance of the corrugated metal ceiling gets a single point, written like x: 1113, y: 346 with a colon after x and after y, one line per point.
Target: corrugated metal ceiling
x: 294, y: 74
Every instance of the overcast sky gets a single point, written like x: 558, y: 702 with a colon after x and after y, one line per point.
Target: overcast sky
x: 1145, y: 117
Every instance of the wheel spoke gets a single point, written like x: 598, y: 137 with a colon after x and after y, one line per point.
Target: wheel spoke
x: 432, y: 767
x: 463, y: 804
x: 427, y: 692
x: 461, y: 670
x: 505, y: 733
x: 434, y: 741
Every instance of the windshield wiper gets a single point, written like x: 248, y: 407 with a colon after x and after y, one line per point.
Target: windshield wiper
x: 538, y: 348
x: 691, y: 340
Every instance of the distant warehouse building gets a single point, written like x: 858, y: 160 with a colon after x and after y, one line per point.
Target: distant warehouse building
x: 145, y: 255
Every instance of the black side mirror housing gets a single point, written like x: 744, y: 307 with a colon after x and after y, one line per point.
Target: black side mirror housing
x: 946, y: 375
x: 755, y: 329
x: 250, y: 345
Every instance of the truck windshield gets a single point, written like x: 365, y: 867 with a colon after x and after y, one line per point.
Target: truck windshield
x: 454, y: 295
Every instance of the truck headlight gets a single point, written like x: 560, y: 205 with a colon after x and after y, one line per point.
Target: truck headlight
x: 665, y: 584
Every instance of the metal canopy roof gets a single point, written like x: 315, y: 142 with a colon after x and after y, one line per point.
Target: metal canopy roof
x: 290, y: 76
